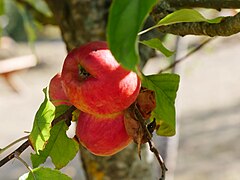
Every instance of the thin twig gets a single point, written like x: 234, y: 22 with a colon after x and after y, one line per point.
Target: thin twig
x: 19, y: 150
x: 159, y: 158
x: 13, y: 143
x: 151, y: 146
x: 142, y: 121
x: 17, y: 156
x: 187, y: 55
x: 66, y: 116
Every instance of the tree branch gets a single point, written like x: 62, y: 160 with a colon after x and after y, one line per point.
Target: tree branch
x: 150, y: 143
x: 227, y: 27
x: 18, y: 151
x: 67, y: 115
x: 214, y: 4
x: 13, y: 143
x: 187, y: 55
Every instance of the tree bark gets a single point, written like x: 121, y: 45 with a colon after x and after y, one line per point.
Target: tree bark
x: 227, y: 27
x: 214, y: 4
x: 80, y: 21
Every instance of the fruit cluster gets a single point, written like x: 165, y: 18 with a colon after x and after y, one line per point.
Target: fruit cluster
x: 96, y: 84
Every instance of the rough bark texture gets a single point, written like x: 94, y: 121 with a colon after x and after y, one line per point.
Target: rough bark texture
x: 227, y: 27
x: 124, y: 165
x: 82, y: 21
x: 215, y: 4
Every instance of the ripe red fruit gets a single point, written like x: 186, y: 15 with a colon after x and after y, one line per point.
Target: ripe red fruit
x: 95, y: 82
x: 103, y: 135
x: 56, y: 93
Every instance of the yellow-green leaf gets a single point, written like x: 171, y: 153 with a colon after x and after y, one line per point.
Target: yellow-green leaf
x: 186, y: 15
x: 42, y: 173
x: 165, y: 87
x: 156, y: 43
x: 42, y: 124
x: 182, y: 15
x: 60, y: 148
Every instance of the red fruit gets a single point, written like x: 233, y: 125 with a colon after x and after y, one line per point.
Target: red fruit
x: 103, y: 135
x: 56, y: 93
x: 96, y: 83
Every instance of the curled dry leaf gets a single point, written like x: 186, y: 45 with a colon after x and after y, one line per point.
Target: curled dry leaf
x: 145, y: 103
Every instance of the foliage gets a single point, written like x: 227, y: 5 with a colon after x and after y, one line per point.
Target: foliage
x: 182, y: 15
x: 41, y: 173
x: 156, y: 44
x: 56, y: 148
x: 165, y: 86
x: 126, y: 19
x: 49, y: 141
x: 42, y: 124
x: 22, y: 23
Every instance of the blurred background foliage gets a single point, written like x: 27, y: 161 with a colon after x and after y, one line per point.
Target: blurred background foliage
x: 24, y: 20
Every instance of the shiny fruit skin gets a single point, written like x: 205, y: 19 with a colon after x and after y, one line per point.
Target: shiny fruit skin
x: 106, y: 88
x: 104, y: 135
x: 56, y: 92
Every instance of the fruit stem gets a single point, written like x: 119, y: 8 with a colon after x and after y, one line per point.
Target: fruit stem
x: 82, y: 72
x: 150, y: 143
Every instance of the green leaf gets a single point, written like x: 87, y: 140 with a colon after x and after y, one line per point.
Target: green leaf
x: 183, y: 15
x: 42, y: 124
x: 60, y: 148
x: 125, y: 21
x: 60, y: 110
x: 156, y: 43
x: 165, y: 87
x: 42, y: 173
